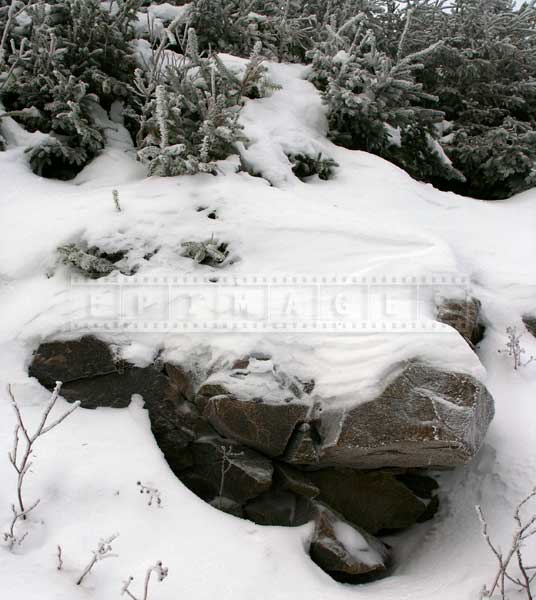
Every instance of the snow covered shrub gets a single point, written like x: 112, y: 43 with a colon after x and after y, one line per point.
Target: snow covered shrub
x: 305, y: 166
x: 514, y: 348
x: 187, y: 115
x: 72, y: 55
x: 210, y: 252
x: 253, y: 83
x: 374, y: 101
x: 93, y: 262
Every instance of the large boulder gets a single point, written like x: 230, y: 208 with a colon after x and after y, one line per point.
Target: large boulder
x: 424, y: 418
x: 348, y: 553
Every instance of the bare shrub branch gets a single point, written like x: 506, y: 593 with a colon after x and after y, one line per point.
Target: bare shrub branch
x: 524, y: 528
x: 158, y: 569
x: 102, y: 552
x: 21, y: 452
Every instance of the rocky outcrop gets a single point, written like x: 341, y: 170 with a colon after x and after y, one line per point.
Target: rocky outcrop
x: 464, y: 316
x: 257, y: 443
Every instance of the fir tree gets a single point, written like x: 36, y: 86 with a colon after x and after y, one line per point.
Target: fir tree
x: 188, y: 115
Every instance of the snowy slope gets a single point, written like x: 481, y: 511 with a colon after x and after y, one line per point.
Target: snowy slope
x: 371, y: 221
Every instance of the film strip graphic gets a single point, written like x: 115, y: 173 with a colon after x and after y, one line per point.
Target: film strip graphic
x: 262, y: 303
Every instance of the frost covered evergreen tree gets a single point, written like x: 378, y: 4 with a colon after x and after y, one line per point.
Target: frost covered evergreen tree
x: 187, y: 115
x: 484, y: 77
x: 374, y: 101
x: 284, y: 27
x: 58, y: 61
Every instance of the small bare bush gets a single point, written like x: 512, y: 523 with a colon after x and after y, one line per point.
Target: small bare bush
x: 514, y: 348
x: 21, y: 453
x: 512, y: 565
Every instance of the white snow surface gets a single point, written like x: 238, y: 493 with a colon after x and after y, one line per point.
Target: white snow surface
x: 371, y: 220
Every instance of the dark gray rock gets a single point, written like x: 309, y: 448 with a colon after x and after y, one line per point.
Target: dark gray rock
x: 295, y: 481
x: 347, y: 553
x: 115, y: 390
x: 71, y: 360
x: 464, y: 316
x: 373, y: 500
x: 246, y: 474
x: 266, y: 426
x: 424, y: 418
x: 530, y: 324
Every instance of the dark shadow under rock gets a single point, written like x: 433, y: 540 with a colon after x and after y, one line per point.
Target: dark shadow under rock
x: 295, y: 481
x: 279, y: 508
x: 373, y: 500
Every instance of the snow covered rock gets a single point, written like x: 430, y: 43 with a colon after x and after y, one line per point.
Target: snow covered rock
x: 462, y: 315
x: 349, y: 554
x: 71, y: 360
x: 425, y: 417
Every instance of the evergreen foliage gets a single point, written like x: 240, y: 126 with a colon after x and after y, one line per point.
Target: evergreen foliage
x: 210, y: 252
x: 284, y: 27
x: 69, y: 56
x: 446, y: 89
x: 397, y: 77
x: 90, y: 262
x: 374, y: 101
x: 305, y: 166
x: 484, y: 77
x: 187, y: 111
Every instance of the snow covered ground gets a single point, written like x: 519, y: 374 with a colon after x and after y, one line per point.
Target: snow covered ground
x: 371, y: 220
